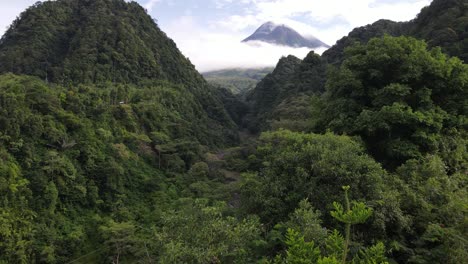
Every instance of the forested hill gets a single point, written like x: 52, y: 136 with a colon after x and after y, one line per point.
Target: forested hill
x: 106, y: 42
x: 88, y: 41
x: 335, y: 54
x: 101, y: 118
x: 290, y: 84
x: 444, y: 23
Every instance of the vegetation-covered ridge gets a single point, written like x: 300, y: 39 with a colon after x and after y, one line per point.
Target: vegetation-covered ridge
x: 282, y: 98
x: 237, y: 80
x: 71, y: 42
x: 443, y: 23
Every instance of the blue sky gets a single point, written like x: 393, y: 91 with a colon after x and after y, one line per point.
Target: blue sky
x: 209, y: 31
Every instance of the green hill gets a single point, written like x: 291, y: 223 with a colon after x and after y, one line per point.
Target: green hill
x: 238, y: 81
x: 280, y: 98
x: 69, y: 42
x: 100, y: 116
x: 443, y: 23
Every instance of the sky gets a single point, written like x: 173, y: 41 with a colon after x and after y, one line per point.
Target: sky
x: 209, y: 32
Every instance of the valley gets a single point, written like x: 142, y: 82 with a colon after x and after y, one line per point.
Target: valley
x: 115, y: 149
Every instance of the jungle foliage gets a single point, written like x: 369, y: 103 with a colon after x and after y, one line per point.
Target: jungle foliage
x: 114, y: 149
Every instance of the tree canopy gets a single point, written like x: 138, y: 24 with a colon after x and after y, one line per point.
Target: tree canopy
x: 114, y: 149
x: 400, y: 97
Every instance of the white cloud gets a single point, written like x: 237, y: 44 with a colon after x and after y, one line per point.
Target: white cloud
x: 221, y: 3
x: 216, y: 50
x: 9, y: 13
x: 150, y: 4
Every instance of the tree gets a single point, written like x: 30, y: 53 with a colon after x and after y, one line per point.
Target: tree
x: 119, y: 239
x: 434, y: 201
x: 296, y: 166
x: 350, y: 216
x: 199, y: 233
x: 299, y: 251
x: 336, y: 246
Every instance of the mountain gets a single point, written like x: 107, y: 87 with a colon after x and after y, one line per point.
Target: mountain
x: 283, y: 96
x: 335, y: 54
x: 238, y: 81
x: 71, y: 42
x: 101, y: 118
x: 284, y: 35
x: 444, y: 23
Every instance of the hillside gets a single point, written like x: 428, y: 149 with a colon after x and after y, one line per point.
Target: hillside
x: 238, y: 81
x: 274, y: 98
x: 114, y: 149
x: 443, y: 23
x: 97, y: 126
x: 68, y: 42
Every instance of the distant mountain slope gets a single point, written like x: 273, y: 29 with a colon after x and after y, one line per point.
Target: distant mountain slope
x: 238, y: 81
x: 444, y: 23
x: 283, y: 35
x: 291, y: 77
x: 363, y: 34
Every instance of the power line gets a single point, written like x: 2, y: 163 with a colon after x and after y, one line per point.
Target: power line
x: 92, y: 252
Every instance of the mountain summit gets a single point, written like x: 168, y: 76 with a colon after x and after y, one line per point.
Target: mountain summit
x: 90, y: 42
x: 284, y: 35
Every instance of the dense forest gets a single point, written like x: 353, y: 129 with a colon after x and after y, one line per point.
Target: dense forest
x: 114, y: 149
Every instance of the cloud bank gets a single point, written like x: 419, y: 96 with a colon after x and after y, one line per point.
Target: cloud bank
x: 216, y: 50
x: 214, y: 43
